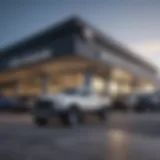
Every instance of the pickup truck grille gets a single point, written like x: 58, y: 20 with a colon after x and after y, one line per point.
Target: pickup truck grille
x: 41, y: 104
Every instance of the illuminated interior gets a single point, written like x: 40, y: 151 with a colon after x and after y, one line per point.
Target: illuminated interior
x: 66, y: 73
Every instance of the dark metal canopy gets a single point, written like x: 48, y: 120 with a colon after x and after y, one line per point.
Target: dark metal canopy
x: 71, y: 26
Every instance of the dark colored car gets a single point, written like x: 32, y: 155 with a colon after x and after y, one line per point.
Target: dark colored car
x: 148, y: 102
x: 136, y: 101
x: 8, y: 103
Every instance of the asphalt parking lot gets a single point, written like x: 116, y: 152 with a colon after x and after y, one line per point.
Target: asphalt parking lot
x: 126, y: 136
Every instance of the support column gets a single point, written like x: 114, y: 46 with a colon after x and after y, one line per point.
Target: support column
x: 44, y: 83
x: 107, y: 79
x: 16, y: 89
x: 134, y: 84
x: 88, y: 75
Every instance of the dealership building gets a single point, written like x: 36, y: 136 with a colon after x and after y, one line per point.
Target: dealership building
x: 72, y: 54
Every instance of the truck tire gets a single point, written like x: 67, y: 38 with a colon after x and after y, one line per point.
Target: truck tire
x: 41, y: 121
x: 73, y: 117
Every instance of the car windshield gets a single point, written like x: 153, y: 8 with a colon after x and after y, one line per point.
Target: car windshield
x: 145, y: 96
x: 138, y: 95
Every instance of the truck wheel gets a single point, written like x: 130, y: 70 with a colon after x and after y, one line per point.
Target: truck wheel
x: 41, y: 121
x: 73, y: 117
x: 103, y: 115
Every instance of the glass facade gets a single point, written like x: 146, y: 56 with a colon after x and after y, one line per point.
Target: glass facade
x: 118, y: 82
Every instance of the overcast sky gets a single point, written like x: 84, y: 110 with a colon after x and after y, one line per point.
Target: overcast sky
x: 135, y: 24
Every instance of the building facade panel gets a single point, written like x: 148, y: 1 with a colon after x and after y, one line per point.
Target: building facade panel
x: 63, y: 46
x: 98, y: 53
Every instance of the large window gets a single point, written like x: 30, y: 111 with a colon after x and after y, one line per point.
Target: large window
x: 62, y: 81
x: 113, y: 88
x: 98, y: 84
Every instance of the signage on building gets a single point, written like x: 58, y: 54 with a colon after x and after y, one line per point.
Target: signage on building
x: 30, y: 58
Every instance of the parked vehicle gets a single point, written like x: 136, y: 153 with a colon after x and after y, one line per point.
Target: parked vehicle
x: 7, y: 103
x: 132, y: 101
x: 148, y: 102
x: 70, y: 105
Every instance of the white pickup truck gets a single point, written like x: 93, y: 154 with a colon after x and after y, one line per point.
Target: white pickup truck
x: 70, y: 105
